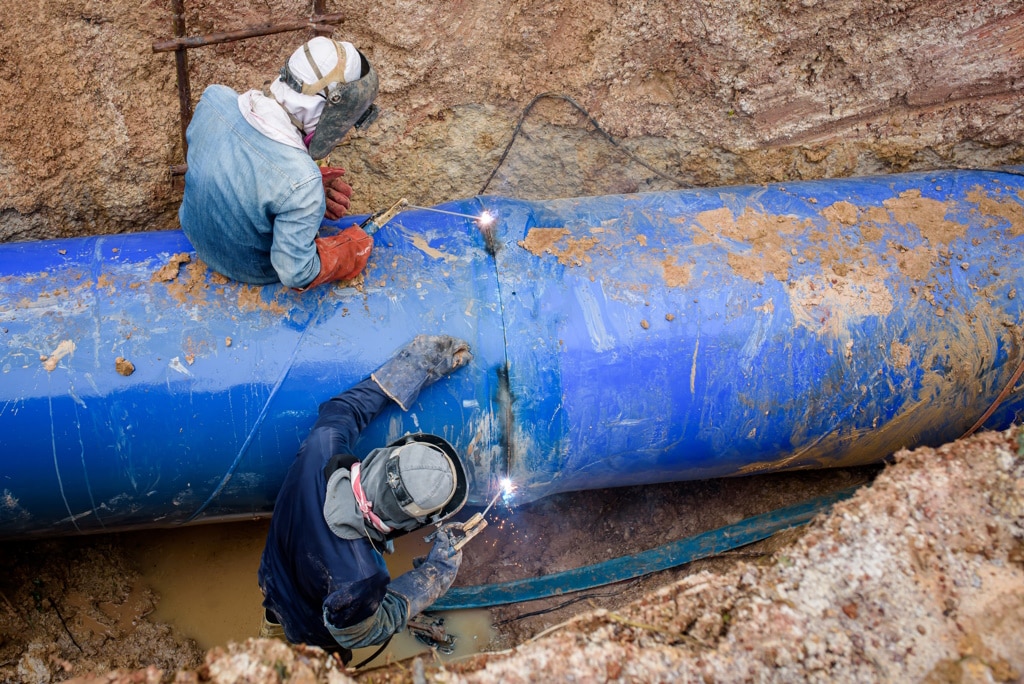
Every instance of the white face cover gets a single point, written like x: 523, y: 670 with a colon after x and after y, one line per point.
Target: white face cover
x: 334, y: 85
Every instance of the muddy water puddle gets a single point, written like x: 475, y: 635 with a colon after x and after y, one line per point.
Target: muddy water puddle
x: 205, y: 577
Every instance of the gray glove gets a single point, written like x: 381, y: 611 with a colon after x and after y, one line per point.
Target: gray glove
x: 428, y: 582
x: 418, y: 364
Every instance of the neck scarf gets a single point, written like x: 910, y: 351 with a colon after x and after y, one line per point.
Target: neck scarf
x: 364, y: 504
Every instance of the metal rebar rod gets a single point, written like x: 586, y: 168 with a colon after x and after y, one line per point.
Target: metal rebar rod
x: 314, y: 22
x: 319, y: 8
x: 181, y: 67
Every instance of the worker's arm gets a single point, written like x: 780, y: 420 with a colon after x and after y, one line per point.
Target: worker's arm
x: 342, y: 418
x: 293, y: 252
x: 419, y: 363
x: 303, y: 260
x: 407, y: 596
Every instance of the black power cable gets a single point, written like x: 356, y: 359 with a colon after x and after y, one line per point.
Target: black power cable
x: 597, y: 127
x: 374, y: 654
x: 564, y: 604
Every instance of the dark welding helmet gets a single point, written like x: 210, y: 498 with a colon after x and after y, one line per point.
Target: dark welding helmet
x: 347, y: 104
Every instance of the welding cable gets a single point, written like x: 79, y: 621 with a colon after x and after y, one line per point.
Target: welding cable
x: 566, y: 604
x: 597, y: 127
x: 673, y: 554
x: 372, y: 656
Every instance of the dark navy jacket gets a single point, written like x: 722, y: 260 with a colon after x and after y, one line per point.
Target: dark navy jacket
x: 303, y: 561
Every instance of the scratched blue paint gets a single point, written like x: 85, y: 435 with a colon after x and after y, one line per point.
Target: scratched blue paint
x: 618, y: 340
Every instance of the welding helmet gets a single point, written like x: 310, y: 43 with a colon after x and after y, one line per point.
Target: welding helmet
x: 416, y: 481
x: 342, y: 76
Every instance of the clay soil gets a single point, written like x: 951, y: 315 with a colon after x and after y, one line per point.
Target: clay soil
x: 920, y: 577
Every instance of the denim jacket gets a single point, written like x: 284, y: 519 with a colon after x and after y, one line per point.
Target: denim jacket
x: 252, y: 206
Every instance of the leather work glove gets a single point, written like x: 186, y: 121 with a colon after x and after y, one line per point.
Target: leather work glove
x: 418, y: 364
x: 342, y: 256
x: 337, y: 192
x: 442, y: 550
x: 428, y: 582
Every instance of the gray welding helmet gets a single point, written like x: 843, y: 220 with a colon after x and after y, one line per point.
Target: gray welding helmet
x: 348, y: 103
x: 415, y: 481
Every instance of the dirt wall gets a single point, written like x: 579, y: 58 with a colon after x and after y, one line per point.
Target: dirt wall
x: 706, y: 93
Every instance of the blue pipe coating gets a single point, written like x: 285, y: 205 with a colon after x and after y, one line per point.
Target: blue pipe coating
x: 618, y: 340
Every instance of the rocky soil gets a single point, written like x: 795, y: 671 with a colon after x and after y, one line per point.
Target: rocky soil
x: 704, y: 93
x: 918, y: 578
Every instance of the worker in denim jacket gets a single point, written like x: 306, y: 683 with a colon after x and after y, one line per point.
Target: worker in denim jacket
x: 254, y: 195
x: 322, y: 573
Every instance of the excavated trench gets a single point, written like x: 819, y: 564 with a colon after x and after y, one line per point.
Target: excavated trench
x: 715, y: 94
x: 165, y: 597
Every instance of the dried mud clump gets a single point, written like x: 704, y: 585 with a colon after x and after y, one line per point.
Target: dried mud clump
x: 65, y: 348
x: 124, y: 366
x: 169, y: 271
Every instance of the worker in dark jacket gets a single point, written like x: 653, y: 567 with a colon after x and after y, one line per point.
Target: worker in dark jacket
x: 323, y: 574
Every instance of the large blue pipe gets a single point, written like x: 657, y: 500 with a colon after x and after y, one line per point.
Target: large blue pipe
x: 618, y: 340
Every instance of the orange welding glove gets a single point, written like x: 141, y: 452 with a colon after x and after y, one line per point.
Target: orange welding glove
x: 336, y: 191
x: 342, y: 256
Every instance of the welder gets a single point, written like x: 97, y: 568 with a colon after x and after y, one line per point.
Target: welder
x: 323, y: 574
x: 254, y: 194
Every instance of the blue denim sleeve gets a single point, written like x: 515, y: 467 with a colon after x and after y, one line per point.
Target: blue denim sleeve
x: 293, y: 251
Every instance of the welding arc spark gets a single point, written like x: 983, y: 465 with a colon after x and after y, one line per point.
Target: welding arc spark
x: 484, y: 219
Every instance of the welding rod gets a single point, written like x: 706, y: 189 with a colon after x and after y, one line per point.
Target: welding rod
x: 442, y: 211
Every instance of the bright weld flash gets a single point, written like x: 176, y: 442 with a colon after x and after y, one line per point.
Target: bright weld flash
x: 485, y: 219
x: 507, y: 489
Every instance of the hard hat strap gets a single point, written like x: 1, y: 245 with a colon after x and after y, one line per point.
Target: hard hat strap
x: 336, y: 75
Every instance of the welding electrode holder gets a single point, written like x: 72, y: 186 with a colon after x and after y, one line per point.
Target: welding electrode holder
x: 461, y: 532
x: 375, y: 222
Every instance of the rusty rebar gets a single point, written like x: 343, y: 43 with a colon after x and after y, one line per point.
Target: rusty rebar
x: 181, y: 67
x: 180, y: 44
x: 316, y: 22
x: 319, y: 8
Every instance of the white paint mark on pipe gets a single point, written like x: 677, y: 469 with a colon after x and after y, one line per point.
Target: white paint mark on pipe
x: 75, y: 398
x: 74, y: 517
x: 693, y: 367
x: 177, y: 365
x: 600, y: 338
x: 758, y: 335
